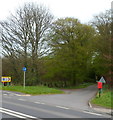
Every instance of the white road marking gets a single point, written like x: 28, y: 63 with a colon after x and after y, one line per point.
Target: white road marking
x: 12, y: 94
x: 4, y: 94
x: 14, y: 112
x: 62, y: 107
x: 39, y: 102
x: 92, y: 113
x: 17, y: 95
x: 8, y: 92
x: 22, y: 99
x: 42, y: 103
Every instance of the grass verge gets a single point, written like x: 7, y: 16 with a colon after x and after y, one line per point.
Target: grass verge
x: 36, y: 90
x: 104, y: 100
x: 33, y: 90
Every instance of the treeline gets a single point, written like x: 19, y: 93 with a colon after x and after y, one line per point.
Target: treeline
x: 56, y: 53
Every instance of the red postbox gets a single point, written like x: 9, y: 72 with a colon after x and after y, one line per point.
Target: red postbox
x: 99, y: 85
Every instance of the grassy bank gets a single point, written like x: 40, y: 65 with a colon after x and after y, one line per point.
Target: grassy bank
x: 34, y: 90
x: 104, y: 100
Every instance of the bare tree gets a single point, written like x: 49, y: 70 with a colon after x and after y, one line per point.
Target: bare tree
x: 23, y: 33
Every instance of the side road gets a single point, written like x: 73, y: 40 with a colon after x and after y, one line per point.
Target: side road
x: 77, y: 99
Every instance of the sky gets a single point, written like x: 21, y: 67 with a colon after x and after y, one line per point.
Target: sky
x: 84, y: 10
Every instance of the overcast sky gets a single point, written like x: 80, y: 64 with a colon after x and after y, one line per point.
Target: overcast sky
x: 84, y: 10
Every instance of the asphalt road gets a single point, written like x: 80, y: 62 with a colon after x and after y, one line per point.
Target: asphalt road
x: 16, y: 105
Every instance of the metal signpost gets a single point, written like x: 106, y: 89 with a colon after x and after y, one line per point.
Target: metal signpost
x: 24, y: 69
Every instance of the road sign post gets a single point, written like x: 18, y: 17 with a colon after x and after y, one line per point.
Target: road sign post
x: 24, y: 79
x: 24, y: 69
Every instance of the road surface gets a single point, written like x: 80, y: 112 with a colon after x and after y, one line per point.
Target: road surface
x: 41, y: 107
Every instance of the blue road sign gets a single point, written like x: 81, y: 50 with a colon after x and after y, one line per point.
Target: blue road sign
x: 24, y: 68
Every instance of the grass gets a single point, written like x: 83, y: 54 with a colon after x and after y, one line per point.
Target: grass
x: 37, y: 90
x: 33, y: 90
x: 104, y: 100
